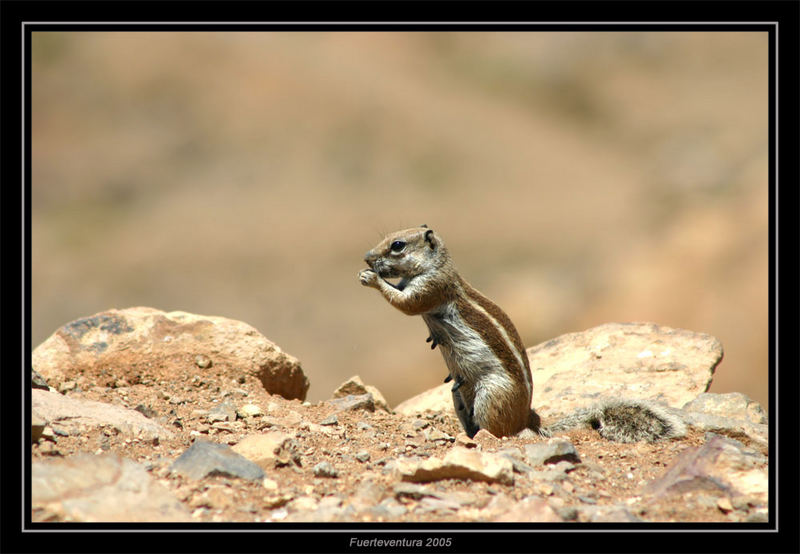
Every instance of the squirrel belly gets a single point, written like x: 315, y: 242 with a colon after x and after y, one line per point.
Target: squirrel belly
x: 482, y: 349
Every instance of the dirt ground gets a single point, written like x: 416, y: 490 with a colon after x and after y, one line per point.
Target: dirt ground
x: 609, y: 474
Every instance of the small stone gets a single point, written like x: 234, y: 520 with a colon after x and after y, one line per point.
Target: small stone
x: 303, y: 504
x: 389, y: 509
x: 434, y: 435
x: 268, y: 450
x: 325, y: 469
x: 204, y: 458
x: 352, y: 402
x: 367, y: 494
x: 202, y: 361
x: 249, y: 410
x: 67, y: 386
x: 356, y: 387
x: 362, y: 456
x: 551, y: 452
x: 146, y: 411
x: 724, y: 504
x: 463, y: 440
x: 269, y: 484
x: 419, y: 424
x: 224, y: 411
x: 459, y: 463
x: 330, y: 420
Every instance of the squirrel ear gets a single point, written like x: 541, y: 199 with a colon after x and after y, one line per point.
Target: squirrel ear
x: 429, y: 238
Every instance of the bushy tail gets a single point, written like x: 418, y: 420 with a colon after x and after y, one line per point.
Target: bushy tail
x: 623, y: 421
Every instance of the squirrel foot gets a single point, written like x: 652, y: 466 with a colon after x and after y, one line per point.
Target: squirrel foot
x: 429, y: 339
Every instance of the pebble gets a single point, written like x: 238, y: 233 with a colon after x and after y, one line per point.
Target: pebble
x: 330, y: 420
x: 249, y: 410
x: 204, y: 458
x: 224, y: 411
x: 551, y: 452
x: 325, y: 469
x: 362, y: 456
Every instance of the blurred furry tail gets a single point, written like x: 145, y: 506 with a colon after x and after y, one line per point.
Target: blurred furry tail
x: 623, y: 421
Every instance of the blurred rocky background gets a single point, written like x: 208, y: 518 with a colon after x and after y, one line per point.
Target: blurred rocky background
x: 578, y: 179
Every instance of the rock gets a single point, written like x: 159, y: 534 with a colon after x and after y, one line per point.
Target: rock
x: 268, y: 450
x: 720, y: 464
x: 438, y: 399
x: 90, y: 488
x: 463, y: 440
x: 205, y: 458
x: 354, y: 402
x: 76, y: 415
x: 368, y: 493
x: 38, y: 382
x: 224, y: 411
x: 362, y: 456
x: 38, y: 423
x: 67, y: 386
x: 356, y: 387
x: 146, y: 411
x: 330, y: 420
x: 551, y: 452
x: 733, y: 414
x: 130, y: 339
x: 389, y: 508
x: 759, y: 434
x: 325, y: 469
x: 413, y: 491
x: 734, y: 405
x: 249, y: 410
x: 609, y: 514
x: 637, y: 361
x: 530, y: 509
x: 459, y: 463
x: 434, y: 435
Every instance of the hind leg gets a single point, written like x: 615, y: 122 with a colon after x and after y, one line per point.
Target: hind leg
x: 464, y: 409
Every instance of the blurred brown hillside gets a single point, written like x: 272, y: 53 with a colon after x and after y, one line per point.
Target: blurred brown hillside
x: 578, y: 178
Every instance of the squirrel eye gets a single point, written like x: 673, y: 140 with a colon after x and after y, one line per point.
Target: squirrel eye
x: 397, y: 246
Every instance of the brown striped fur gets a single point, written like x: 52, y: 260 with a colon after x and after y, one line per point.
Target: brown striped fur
x: 480, y: 345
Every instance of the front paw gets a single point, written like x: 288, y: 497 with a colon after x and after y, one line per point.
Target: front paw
x: 368, y: 278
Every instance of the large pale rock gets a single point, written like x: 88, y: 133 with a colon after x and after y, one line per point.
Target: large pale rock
x: 459, y: 463
x: 633, y: 361
x: 733, y: 405
x: 438, y: 399
x: 75, y: 415
x: 130, y: 341
x: 90, y: 488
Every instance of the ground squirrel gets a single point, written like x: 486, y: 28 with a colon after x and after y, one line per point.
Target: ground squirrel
x: 482, y: 349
